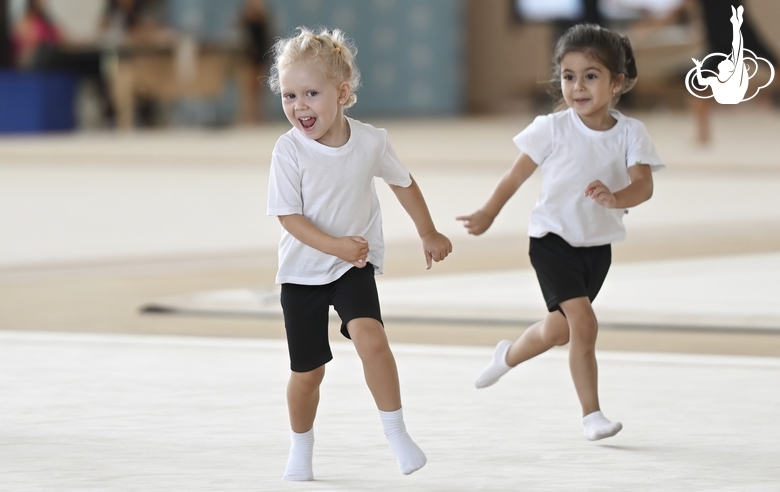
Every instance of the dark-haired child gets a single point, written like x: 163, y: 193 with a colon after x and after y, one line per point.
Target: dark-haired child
x: 596, y: 163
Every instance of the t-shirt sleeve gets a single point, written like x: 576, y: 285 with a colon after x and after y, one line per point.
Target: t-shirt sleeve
x: 641, y: 149
x: 391, y: 169
x: 536, y: 141
x: 284, y: 186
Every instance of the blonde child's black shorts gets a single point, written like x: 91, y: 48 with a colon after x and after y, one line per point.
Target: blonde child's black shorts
x: 306, y: 312
x: 565, y: 271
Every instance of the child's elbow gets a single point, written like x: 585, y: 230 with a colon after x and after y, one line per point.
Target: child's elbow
x: 648, y: 191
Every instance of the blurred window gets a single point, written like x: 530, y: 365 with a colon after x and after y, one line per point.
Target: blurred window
x: 574, y: 10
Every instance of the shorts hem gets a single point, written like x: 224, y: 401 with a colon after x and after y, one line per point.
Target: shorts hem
x: 309, y: 366
x: 554, y: 304
x: 344, y: 331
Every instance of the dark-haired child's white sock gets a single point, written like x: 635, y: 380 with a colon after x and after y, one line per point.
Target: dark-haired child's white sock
x: 596, y: 426
x: 409, y: 455
x: 301, y: 450
x: 497, y: 367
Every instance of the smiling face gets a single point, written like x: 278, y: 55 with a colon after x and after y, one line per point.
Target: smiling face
x: 312, y: 103
x: 589, y: 88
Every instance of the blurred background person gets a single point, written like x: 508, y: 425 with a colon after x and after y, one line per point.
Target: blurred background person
x: 35, y: 37
x: 41, y: 45
x: 711, y: 20
x: 256, y: 33
x: 135, y: 22
x: 718, y: 34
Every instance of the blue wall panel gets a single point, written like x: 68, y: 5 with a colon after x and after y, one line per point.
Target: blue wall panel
x: 409, y: 51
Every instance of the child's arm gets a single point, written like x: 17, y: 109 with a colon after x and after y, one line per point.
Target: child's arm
x: 481, y: 220
x: 436, y: 246
x: 640, y: 190
x: 352, y: 249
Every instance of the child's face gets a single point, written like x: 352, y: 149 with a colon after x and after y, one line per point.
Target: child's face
x: 587, y: 86
x: 312, y: 103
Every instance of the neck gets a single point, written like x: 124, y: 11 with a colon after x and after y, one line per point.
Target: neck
x: 601, y: 121
x: 338, y: 135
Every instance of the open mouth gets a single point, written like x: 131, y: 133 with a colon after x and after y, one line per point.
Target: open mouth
x: 307, y: 122
x: 581, y: 101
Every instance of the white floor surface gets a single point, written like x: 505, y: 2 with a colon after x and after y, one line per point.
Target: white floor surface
x: 115, y: 413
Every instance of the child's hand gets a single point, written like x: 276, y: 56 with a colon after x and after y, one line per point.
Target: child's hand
x: 352, y: 249
x: 436, y: 247
x: 601, y: 194
x: 476, y: 223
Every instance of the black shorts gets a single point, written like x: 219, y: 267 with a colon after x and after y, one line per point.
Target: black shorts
x: 306, y: 312
x: 565, y: 271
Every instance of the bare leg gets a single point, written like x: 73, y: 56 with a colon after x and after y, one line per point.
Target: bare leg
x: 379, y: 367
x: 701, y: 111
x: 582, y: 352
x: 381, y: 374
x: 539, y: 338
x: 303, y: 396
x: 584, y: 370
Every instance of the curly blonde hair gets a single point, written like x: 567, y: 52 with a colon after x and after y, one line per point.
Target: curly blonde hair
x: 330, y: 49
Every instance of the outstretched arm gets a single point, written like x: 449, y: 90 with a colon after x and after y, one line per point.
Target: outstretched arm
x: 481, y: 220
x: 352, y: 249
x: 436, y: 246
x: 640, y: 190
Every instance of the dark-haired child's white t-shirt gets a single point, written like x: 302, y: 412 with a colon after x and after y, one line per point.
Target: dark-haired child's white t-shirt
x: 333, y: 187
x: 571, y: 156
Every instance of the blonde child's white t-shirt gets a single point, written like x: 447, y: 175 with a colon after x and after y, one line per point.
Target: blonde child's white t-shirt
x: 571, y: 156
x: 333, y: 187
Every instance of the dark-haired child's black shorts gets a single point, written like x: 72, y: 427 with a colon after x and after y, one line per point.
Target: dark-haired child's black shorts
x: 565, y: 271
x: 306, y: 312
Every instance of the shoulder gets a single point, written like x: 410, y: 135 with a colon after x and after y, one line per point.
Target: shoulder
x: 631, y: 124
x: 552, y: 121
x: 287, y: 145
x: 365, y: 131
x: 369, y: 139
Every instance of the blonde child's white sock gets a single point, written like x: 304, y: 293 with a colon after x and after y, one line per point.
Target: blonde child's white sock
x: 299, y: 463
x: 497, y: 367
x: 597, y: 426
x: 409, y: 455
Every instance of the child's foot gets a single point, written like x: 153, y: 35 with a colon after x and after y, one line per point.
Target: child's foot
x: 497, y: 367
x: 409, y: 455
x: 299, y: 463
x: 597, y: 426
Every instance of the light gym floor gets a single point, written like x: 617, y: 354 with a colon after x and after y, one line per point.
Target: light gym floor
x: 100, y: 396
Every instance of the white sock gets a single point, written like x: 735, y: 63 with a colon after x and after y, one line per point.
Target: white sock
x: 299, y: 463
x: 409, y: 455
x: 497, y: 367
x: 597, y: 426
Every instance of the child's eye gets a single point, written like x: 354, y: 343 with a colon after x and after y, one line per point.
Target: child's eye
x: 288, y: 96
x: 311, y: 93
x: 591, y: 76
x: 567, y: 77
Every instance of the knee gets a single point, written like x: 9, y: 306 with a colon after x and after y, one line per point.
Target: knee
x: 556, y: 335
x: 369, y: 337
x: 308, y: 381
x: 584, y: 332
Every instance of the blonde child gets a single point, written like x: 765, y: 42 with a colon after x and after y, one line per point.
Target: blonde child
x: 595, y: 163
x: 322, y: 190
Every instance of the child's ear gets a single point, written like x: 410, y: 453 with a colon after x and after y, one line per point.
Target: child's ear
x: 344, y: 91
x: 617, y: 82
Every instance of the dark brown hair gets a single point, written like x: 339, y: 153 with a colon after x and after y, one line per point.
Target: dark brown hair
x: 609, y: 48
